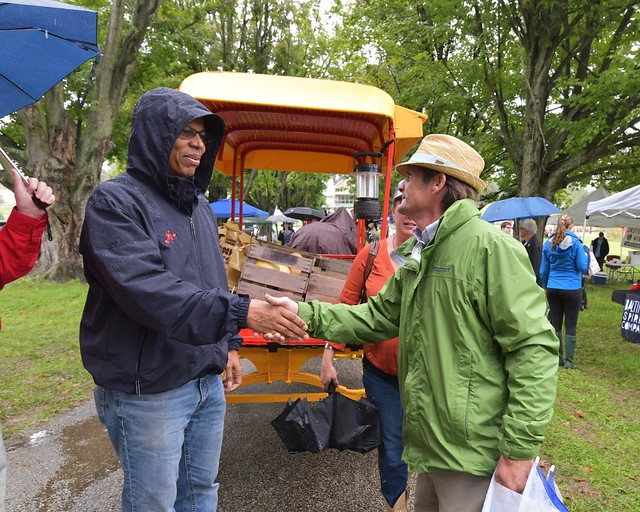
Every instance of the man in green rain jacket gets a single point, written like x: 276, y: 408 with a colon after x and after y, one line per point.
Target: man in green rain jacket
x: 477, y: 357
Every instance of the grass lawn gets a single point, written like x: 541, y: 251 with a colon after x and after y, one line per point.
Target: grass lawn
x: 41, y: 372
x: 594, y: 439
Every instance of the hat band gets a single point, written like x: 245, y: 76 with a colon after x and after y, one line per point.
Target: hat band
x: 433, y: 159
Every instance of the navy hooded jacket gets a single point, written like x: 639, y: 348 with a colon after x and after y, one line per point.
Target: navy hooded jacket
x: 158, y: 312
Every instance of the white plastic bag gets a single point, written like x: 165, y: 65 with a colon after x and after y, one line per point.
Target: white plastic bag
x: 540, y: 494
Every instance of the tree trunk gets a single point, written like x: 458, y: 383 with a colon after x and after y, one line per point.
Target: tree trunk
x: 69, y: 156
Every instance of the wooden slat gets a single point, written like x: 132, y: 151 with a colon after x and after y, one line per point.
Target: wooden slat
x: 329, y: 274
x: 258, y: 292
x: 274, y: 255
x: 328, y: 288
x: 341, y: 266
x: 273, y: 278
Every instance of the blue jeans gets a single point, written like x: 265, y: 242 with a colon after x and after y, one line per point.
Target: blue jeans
x: 393, y: 471
x: 168, y: 444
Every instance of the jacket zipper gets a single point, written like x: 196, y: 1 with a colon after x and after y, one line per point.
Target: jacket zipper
x: 139, y: 360
x: 195, y: 248
x: 193, y: 228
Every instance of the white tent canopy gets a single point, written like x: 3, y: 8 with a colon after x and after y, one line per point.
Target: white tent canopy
x: 578, y: 210
x: 617, y: 210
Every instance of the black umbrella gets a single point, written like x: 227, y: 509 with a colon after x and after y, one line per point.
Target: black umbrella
x: 304, y: 213
x: 335, y: 422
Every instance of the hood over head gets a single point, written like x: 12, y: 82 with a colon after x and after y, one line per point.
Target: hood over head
x: 158, y: 118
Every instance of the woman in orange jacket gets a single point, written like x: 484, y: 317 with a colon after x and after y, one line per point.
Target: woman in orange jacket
x: 380, y: 361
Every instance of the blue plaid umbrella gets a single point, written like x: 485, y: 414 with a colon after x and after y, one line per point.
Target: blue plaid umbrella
x: 41, y: 42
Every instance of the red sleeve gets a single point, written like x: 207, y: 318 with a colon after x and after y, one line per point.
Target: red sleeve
x: 20, y: 240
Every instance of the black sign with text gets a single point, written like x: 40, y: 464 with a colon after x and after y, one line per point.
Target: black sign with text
x: 631, y: 319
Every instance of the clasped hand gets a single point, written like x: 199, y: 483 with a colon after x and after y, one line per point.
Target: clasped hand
x: 277, y: 319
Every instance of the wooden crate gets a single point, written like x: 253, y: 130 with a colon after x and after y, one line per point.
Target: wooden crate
x: 257, y: 280
x: 327, y: 279
x: 309, y: 276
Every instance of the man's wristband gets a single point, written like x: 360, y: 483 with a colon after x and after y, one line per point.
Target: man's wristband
x: 328, y: 346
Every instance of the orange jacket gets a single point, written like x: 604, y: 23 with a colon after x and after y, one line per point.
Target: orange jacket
x: 384, y: 355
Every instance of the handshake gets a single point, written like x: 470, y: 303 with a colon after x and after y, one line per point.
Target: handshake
x: 277, y: 319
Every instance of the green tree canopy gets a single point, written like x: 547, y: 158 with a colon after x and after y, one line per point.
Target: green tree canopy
x: 547, y: 90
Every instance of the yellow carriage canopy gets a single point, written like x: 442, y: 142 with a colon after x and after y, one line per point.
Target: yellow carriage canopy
x: 301, y: 124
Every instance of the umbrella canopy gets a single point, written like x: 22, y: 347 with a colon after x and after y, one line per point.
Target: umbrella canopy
x: 222, y: 208
x: 304, y: 213
x: 517, y: 208
x: 280, y: 218
x: 41, y: 42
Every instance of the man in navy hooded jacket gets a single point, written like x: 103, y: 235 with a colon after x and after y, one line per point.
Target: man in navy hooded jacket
x: 159, y: 324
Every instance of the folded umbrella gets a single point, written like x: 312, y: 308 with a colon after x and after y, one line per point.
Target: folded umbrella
x: 335, y: 422
x: 300, y: 430
x: 355, y: 424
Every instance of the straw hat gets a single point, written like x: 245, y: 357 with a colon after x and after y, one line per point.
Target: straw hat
x: 448, y: 155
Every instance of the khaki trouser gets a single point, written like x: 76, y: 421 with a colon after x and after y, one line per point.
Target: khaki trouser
x: 3, y: 472
x: 450, y: 491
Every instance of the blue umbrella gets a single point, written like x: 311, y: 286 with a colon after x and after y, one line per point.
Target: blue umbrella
x: 222, y: 208
x: 517, y: 208
x: 41, y: 42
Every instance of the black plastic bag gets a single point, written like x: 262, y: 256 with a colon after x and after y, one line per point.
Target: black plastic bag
x: 335, y: 422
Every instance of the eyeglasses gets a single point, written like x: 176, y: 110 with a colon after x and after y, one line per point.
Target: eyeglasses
x: 189, y: 133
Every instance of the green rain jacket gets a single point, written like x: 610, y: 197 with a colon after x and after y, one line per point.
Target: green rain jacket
x: 478, y: 359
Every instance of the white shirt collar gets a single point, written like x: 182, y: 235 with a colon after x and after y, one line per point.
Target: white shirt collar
x: 423, y: 237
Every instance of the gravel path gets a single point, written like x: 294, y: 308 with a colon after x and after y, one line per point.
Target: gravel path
x: 68, y: 465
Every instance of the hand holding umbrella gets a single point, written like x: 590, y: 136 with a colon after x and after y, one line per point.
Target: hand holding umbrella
x: 33, y: 197
x: 41, y: 196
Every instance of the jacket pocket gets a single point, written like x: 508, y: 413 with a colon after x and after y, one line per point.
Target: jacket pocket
x: 461, y: 393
